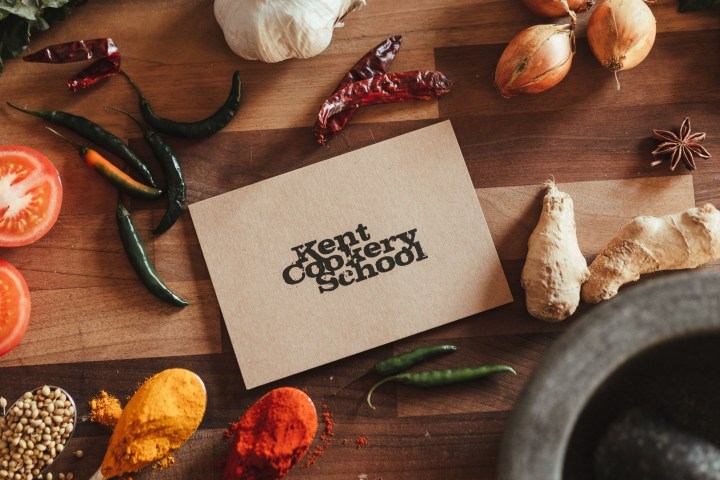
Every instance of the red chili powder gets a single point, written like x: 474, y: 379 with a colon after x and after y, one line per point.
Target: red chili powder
x: 326, y: 438
x: 361, y: 442
x: 272, y: 436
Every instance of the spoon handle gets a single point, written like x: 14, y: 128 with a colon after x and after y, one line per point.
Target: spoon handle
x: 97, y: 476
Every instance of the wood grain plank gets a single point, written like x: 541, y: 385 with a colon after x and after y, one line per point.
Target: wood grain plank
x: 395, y: 450
x: 586, y: 88
x: 583, y: 130
x: 601, y: 208
x: 106, y: 323
x: 491, y: 394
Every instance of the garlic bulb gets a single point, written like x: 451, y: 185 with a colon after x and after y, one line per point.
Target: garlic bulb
x: 275, y: 30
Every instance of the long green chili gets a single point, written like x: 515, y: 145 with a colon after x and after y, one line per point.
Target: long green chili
x: 119, y: 179
x: 403, y: 361
x: 95, y: 133
x: 199, y: 129
x: 139, y: 259
x: 174, y: 180
x: 435, y: 378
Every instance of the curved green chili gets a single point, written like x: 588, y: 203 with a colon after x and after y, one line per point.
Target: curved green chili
x: 119, y: 179
x: 403, y: 361
x: 95, y: 133
x: 435, y: 378
x: 199, y: 129
x: 174, y: 180
x: 139, y: 260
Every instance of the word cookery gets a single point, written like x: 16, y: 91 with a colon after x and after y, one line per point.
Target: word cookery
x: 351, y: 258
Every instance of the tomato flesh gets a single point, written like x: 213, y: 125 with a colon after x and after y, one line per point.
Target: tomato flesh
x: 14, y: 307
x: 30, y: 195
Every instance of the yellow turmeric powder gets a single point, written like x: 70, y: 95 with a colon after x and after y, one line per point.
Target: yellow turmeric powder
x: 105, y: 409
x: 159, y: 418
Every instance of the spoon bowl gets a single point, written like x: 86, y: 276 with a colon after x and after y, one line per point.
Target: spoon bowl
x: 98, y: 474
x: 35, y: 437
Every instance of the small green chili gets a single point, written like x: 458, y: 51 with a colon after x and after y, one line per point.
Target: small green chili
x: 199, y: 129
x: 434, y: 378
x: 95, y: 133
x: 403, y: 361
x: 119, y: 179
x: 174, y: 180
x: 139, y: 260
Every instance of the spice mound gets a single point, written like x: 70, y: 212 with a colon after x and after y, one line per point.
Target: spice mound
x: 105, y: 409
x: 34, y: 432
x: 164, y: 412
x: 272, y: 436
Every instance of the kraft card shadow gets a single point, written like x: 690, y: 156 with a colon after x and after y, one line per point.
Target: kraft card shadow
x: 349, y: 254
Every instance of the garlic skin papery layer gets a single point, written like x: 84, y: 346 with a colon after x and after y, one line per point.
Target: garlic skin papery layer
x: 275, y: 30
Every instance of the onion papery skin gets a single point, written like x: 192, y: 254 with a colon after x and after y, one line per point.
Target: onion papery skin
x: 555, y: 8
x: 621, y: 33
x: 537, y: 59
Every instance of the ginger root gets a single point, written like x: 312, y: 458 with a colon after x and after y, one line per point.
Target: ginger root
x: 647, y: 244
x: 555, y: 268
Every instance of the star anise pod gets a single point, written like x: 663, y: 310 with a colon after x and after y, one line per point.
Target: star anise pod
x: 684, y: 146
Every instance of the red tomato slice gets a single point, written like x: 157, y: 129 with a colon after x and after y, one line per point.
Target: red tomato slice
x: 30, y: 195
x: 14, y: 307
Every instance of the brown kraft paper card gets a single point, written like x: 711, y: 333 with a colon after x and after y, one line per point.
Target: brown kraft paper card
x: 349, y: 254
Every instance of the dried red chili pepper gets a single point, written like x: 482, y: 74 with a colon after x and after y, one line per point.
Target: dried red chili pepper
x: 75, y: 51
x: 103, y: 68
x: 374, y: 62
x: 381, y: 89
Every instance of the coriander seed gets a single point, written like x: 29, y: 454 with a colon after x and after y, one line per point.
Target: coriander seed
x: 33, y: 432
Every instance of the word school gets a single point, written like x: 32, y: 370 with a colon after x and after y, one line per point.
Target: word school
x: 351, y: 258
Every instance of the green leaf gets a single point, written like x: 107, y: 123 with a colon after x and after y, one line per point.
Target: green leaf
x: 14, y: 36
x: 697, y: 5
x: 19, y: 19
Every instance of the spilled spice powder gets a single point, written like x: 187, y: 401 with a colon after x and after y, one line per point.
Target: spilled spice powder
x: 105, y: 409
x: 165, y: 462
x: 361, y: 442
x: 326, y: 438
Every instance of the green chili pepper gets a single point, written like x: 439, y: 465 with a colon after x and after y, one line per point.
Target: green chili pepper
x: 174, y: 180
x: 139, y: 259
x: 95, y: 133
x: 436, y: 378
x: 403, y: 361
x: 119, y: 179
x: 199, y: 129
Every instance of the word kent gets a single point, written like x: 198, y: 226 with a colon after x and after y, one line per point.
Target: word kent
x: 351, y: 258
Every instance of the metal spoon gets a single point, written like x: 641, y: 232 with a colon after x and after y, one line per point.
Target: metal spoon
x: 99, y: 476
x: 27, y: 437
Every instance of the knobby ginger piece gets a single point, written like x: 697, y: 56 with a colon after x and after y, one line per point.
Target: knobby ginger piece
x: 647, y: 244
x: 555, y: 268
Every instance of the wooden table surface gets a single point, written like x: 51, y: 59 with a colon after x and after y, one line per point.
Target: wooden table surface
x: 94, y: 327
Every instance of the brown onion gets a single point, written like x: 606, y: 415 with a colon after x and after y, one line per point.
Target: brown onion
x: 621, y: 33
x: 557, y: 8
x: 535, y: 60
